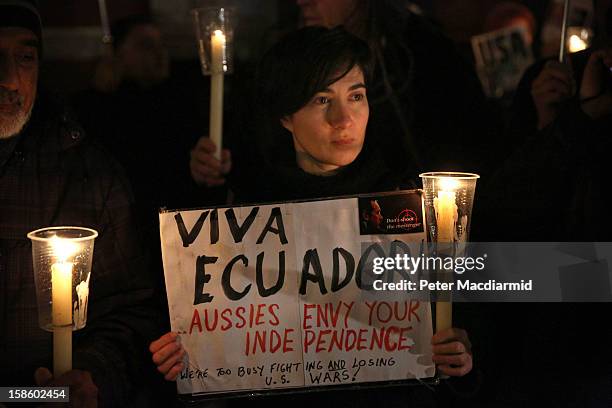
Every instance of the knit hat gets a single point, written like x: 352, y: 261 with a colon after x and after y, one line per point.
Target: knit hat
x: 21, y: 13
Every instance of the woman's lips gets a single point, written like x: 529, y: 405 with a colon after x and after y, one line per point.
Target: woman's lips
x: 343, y: 142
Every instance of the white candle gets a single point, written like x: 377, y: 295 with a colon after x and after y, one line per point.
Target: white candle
x: 217, y: 42
x: 446, y: 210
x: 61, y: 312
x: 61, y: 305
x: 446, y: 217
x: 444, y: 315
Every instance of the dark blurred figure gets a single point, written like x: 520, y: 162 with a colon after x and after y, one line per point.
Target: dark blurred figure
x: 145, y: 117
x: 51, y: 174
x: 139, y: 56
x: 560, y: 127
x: 552, y: 188
x: 149, y: 121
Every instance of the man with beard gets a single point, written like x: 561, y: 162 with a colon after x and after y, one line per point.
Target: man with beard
x: 51, y: 175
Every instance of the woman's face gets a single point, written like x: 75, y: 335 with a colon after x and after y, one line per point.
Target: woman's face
x: 328, y: 132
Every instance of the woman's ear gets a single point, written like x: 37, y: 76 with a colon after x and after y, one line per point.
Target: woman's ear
x: 287, y: 123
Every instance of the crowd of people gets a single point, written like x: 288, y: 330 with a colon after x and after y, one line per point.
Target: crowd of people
x: 361, y: 98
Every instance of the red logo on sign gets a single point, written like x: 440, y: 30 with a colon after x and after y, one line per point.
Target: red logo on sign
x: 408, y: 216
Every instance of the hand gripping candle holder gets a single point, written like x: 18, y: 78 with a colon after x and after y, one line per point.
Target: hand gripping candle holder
x: 62, y: 258
x: 449, y: 197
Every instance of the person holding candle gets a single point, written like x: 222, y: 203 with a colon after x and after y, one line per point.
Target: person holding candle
x: 145, y: 115
x: 550, y: 187
x: 428, y: 105
x: 564, y: 111
x: 311, y: 141
x: 52, y: 175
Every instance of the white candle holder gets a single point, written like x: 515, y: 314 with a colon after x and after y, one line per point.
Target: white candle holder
x: 449, y: 197
x: 215, y: 33
x: 62, y: 258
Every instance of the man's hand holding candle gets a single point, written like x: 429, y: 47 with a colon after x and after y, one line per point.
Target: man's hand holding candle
x: 83, y: 391
x: 205, y: 168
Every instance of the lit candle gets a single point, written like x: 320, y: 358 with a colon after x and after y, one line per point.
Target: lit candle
x: 217, y: 42
x: 446, y: 217
x: 61, y: 307
x: 576, y: 43
x: 446, y: 214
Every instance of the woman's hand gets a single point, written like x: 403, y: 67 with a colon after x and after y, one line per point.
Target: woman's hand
x: 168, y: 355
x: 452, y: 352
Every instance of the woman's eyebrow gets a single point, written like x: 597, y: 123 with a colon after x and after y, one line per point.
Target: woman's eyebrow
x: 351, y: 88
x: 357, y: 86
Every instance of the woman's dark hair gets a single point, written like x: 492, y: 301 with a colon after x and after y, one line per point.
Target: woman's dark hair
x: 301, y: 64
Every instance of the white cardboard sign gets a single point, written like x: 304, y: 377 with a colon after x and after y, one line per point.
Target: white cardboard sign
x: 279, y: 295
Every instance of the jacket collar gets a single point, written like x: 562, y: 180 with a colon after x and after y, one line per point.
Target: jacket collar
x: 51, y: 125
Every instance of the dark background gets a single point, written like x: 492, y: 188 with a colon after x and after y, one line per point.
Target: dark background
x: 73, y: 34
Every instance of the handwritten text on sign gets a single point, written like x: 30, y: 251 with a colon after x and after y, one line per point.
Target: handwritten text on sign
x: 281, y: 296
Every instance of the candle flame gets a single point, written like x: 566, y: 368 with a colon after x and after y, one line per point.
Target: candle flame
x: 448, y: 183
x: 63, y: 248
x: 576, y: 43
x: 219, y: 33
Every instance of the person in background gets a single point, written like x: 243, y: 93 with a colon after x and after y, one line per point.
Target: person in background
x: 564, y: 110
x: 51, y: 174
x: 145, y: 117
x: 428, y: 108
x: 310, y: 141
x: 148, y: 120
x: 551, y: 188
x: 139, y: 56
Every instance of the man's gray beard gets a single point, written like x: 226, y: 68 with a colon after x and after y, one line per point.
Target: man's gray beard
x: 11, y: 125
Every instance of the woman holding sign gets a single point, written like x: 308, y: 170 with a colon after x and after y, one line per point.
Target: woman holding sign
x: 311, y: 117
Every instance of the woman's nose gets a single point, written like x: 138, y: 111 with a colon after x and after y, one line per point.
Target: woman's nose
x: 340, y: 116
